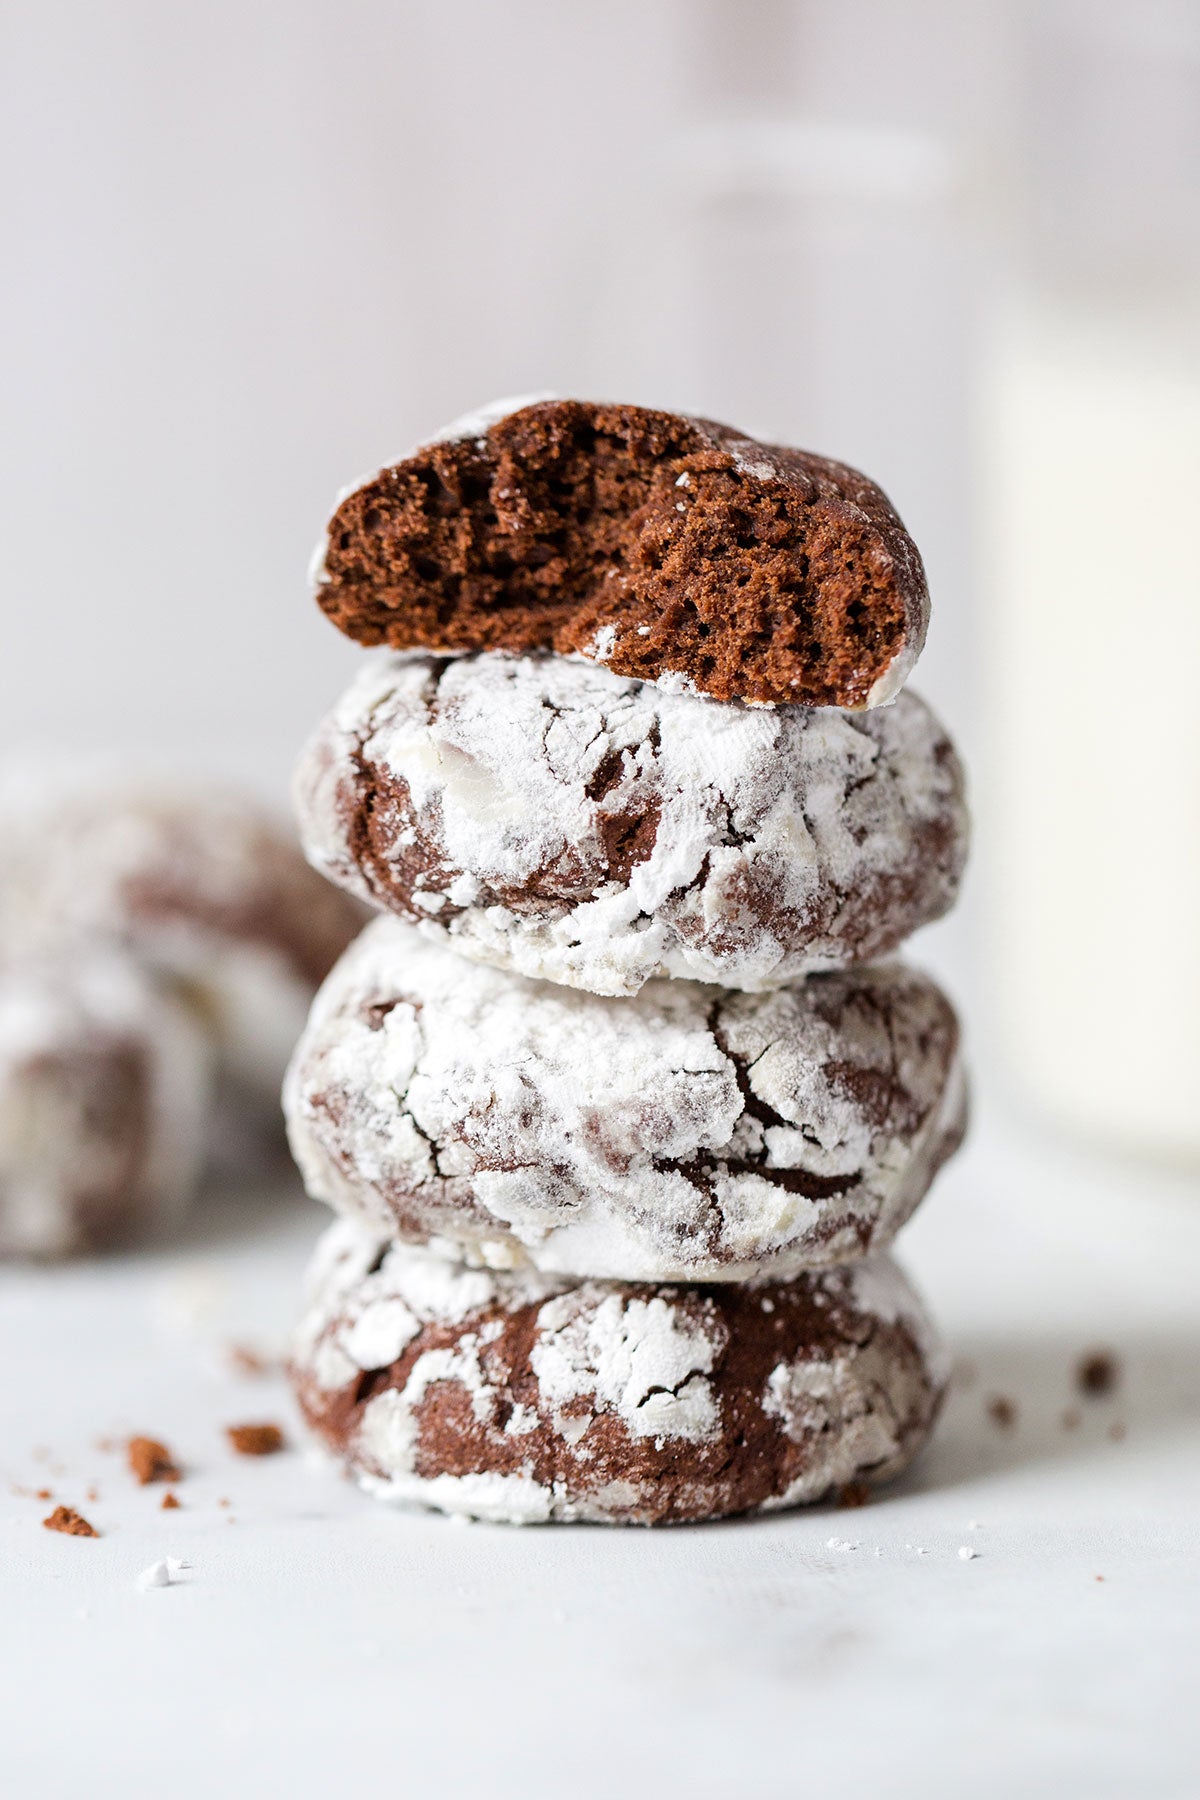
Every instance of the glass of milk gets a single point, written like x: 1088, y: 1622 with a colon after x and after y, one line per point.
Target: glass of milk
x: 1092, y: 490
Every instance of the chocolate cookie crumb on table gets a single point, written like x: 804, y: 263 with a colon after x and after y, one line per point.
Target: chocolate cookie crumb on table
x: 1097, y: 1373
x: 255, y: 1440
x: 244, y: 1359
x: 70, y: 1523
x: 668, y: 548
x: 151, y: 1461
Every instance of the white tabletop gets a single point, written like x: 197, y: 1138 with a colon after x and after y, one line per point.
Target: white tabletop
x: 320, y: 1642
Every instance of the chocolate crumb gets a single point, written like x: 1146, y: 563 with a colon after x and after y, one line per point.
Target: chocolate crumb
x: 1097, y: 1373
x: 224, y: 1502
x: 255, y: 1440
x: 1071, y: 1419
x: 66, y: 1519
x: 854, y: 1493
x: 151, y: 1461
x: 1002, y: 1411
x: 169, y: 1502
x: 247, y: 1360
x: 44, y: 1494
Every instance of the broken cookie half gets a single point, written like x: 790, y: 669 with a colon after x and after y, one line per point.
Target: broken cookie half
x: 666, y: 548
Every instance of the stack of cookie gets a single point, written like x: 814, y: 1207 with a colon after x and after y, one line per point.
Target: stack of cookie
x: 618, y: 1100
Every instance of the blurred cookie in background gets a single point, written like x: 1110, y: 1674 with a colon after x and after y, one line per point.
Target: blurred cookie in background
x: 220, y: 928
x: 105, y: 1084
x: 202, y: 885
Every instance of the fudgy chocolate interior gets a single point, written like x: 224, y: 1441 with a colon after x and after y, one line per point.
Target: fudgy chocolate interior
x: 568, y: 518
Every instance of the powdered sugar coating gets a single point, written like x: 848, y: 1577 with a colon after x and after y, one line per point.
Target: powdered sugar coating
x: 689, y: 1133
x: 202, y: 885
x: 519, y: 1397
x: 104, y: 1091
x: 548, y: 816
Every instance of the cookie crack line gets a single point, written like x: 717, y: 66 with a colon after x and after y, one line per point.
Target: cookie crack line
x: 601, y: 1137
x: 786, y: 578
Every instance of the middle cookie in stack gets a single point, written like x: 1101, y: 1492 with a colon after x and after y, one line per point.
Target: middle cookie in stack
x: 676, y: 1069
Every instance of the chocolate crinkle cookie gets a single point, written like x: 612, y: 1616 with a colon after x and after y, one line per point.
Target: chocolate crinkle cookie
x: 520, y: 1397
x: 688, y: 1133
x: 104, y: 1087
x: 580, y: 827
x: 668, y: 548
x: 204, y: 887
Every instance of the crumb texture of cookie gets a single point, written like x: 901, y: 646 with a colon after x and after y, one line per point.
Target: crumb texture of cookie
x: 205, y: 887
x: 523, y: 1398
x: 104, y: 1092
x: 688, y: 1133
x: 668, y: 548
x: 580, y: 827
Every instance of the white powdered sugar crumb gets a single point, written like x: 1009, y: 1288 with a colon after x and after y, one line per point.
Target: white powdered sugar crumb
x: 967, y: 1554
x: 837, y: 1543
x: 165, y: 1573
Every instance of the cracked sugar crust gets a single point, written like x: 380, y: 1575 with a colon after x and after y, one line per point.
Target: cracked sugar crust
x: 203, y: 886
x: 579, y: 827
x: 523, y: 1398
x: 668, y: 548
x: 689, y: 1133
x: 104, y: 1092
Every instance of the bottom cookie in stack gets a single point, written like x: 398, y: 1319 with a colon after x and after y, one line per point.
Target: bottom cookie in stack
x: 523, y: 1397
